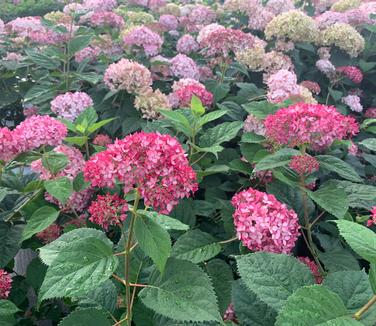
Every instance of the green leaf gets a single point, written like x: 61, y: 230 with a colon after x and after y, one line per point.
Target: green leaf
x: 85, y: 317
x: 221, y: 275
x: 260, y: 109
x: 218, y: 89
x: 314, y: 305
x: 260, y: 314
x: 338, y: 166
x: 10, y: 236
x: 331, y: 199
x: 42, y: 60
x: 78, y: 43
x: 49, y: 252
x: 277, y: 159
x: 7, y: 308
x: 153, y: 240
x: 361, y: 239
x: 87, y: 118
x: 196, y: 107
x: 39, y: 94
x: 40, y: 220
x: 54, y: 162
x: 60, y: 188
x: 100, y: 124
x: 273, y: 277
x: 369, y: 143
x: 359, y: 195
x: 372, y: 277
x: 79, y: 183
x: 183, y: 293
x: 77, y: 140
x: 354, y: 288
x: 220, y: 133
x: 196, y: 246
x: 166, y: 222
x: 79, y: 267
x: 251, y: 138
x: 211, y: 116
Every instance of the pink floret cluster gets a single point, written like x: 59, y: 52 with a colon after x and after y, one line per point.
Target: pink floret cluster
x: 352, y: 73
x: 102, y: 140
x: 89, y: 53
x: 315, y: 125
x: 145, y: 38
x: 70, y: 105
x: 127, y: 75
x: 183, y: 91
x: 182, y: 66
x: 5, y: 284
x: 372, y: 220
x: 263, y: 223
x: 50, y: 234
x: 281, y: 86
x: 187, y: 44
x: 155, y: 164
x: 304, y: 164
x: 106, y: 18
x: 108, y: 210
x: 99, y: 5
x: 168, y: 22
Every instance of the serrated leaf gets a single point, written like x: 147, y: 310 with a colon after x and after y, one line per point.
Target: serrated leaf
x: 196, y: 246
x: 10, y: 236
x: 220, y: 133
x: 166, y: 222
x: 42, y: 218
x: 338, y: 166
x: 77, y: 140
x: 218, y: 89
x: 49, y: 252
x: 85, y: 317
x: 211, y: 116
x: 184, y: 293
x: 79, y: 183
x: 359, y: 195
x: 35, y: 273
x: 331, y: 199
x: 42, y: 59
x: 372, y: 277
x: 80, y: 267
x: 249, y: 309
x: 196, y: 107
x: 277, y: 159
x: 260, y: 109
x: 314, y: 305
x: 273, y: 277
x: 361, y: 239
x: 78, y: 43
x: 60, y: 188
x: 100, y: 124
x: 154, y: 240
x: 54, y: 162
x: 7, y: 308
x: 221, y: 275
x: 369, y: 143
x: 179, y: 120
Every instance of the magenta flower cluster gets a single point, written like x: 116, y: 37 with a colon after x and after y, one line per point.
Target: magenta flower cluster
x: 5, y: 284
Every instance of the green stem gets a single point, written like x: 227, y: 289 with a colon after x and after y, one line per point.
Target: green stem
x: 128, y: 246
x: 361, y: 311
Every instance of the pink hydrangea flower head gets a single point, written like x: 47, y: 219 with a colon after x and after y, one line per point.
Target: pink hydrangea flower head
x: 155, y: 164
x: 372, y: 220
x: 145, y: 38
x: 263, y: 223
x: 184, y: 94
x: 201, y: 16
x: 99, y: 5
x: 39, y: 130
x: 313, y: 267
x: 168, y: 22
x: 155, y: 4
x: 329, y: 18
x: 255, y: 125
x: 77, y: 202
x: 9, y: 144
x: 279, y: 6
x: 353, y: 101
x: 206, y: 30
x: 70, y: 105
x: 326, y: 67
x: 89, y: 53
x: 13, y: 56
x: 311, y: 86
x: 315, y: 125
x: 259, y: 17
x: 182, y: 66
x: 370, y: 113
x: 352, y: 73
x: 127, y: 75
x: 108, y: 210
x: 76, y: 162
x: 5, y: 284
x: 23, y: 26
x: 102, y: 140
x: 106, y: 19
x: 50, y: 234
x: 281, y: 86
x: 187, y: 44
x: 304, y: 164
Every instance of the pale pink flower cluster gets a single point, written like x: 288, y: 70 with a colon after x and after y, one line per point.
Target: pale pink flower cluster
x: 182, y: 66
x: 143, y: 37
x: 102, y: 140
x: 279, y: 6
x: 168, y: 22
x: 353, y: 101
x: 108, y: 210
x: 5, y: 284
x: 49, y: 234
x: 187, y: 44
x: 89, y: 53
x: 77, y: 202
x: 304, y: 164
x: 127, y: 75
x: 206, y: 30
x: 281, y: 86
x: 70, y: 105
x: 13, y: 56
x: 74, y: 8
x: 263, y: 223
x: 99, y: 5
x: 313, y: 267
x: 259, y: 17
x: 329, y: 18
x: 326, y: 67
x: 106, y: 19
x: 23, y: 26
x: 150, y: 103
x: 155, y: 164
x: 255, y: 125
x: 315, y: 125
x: 8, y: 145
x: 351, y: 72
x: 183, y: 91
x: 198, y: 17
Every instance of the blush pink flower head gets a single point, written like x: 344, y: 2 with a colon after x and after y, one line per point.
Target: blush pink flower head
x: 5, y: 284
x: 89, y: 53
x: 9, y: 145
x: 351, y: 72
x: 145, y: 38
x: 263, y: 223
x: 106, y: 19
x: 168, y: 22
x: 281, y: 86
x: 182, y: 66
x: 70, y: 105
x: 304, y: 164
x: 187, y: 44
x: 315, y: 125
x: 183, y: 91
x: 155, y: 164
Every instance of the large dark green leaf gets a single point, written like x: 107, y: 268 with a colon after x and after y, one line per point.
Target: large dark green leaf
x: 85, y: 317
x: 60, y: 188
x: 40, y: 220
x: 10, y: 236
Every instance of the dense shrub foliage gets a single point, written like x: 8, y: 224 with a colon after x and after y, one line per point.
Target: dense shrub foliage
x: 188, y: 162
